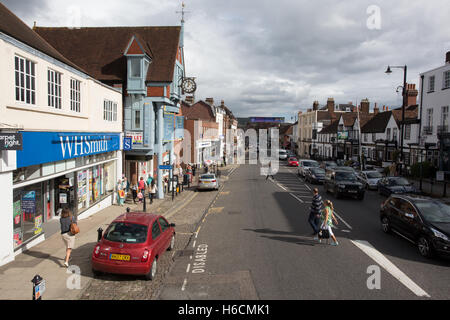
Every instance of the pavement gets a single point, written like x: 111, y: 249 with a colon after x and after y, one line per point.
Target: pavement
x: 46, y: 259
x: 433, y: 188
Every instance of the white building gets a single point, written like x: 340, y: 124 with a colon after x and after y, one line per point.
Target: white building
x: 68, y: 129
x: 434, y: 110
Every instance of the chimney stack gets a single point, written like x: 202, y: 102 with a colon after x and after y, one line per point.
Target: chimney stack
x: 384, y: 108
x: 447, y: 58
x: 222, y: 103
x: 365, y: 106
x: 375, y: 109
x: 189, y: 99
x: 330, y: 105
x: 316, y: 105
x: 411, y: 94
x: 209, y: 101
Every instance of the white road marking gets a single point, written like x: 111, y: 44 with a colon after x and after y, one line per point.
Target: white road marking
x: 340, y: 218
x: 188, y: 268
x: 193, y: 245
x: 380, y: 259
x: 347, y: 231
x: 297, y: 198
x: 184, y: 285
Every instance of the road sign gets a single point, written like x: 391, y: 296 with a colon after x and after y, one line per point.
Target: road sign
x: 167, y: 167
x: 127, y: 142
x: 440, y: 176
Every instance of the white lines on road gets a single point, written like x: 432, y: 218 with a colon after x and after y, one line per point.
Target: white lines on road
x: 188, y: 268
x: 297, y: 198
x: 381, y: 260
x: 340, y: 218
x: 193, y: 245
x: 184, y: 285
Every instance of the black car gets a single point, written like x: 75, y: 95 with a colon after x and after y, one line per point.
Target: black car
x: 341, y: 182
x: 424, y: 221
x: 328, y: 165
x: 315, y: 175
x: 395, y: 185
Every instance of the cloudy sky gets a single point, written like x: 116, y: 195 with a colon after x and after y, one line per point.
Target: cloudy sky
x: 274, y: 58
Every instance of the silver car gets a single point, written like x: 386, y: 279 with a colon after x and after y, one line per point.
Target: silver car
x: 208, y: 181
x: 304, y: 165
x: 282, y: 154
x: 370, y: 179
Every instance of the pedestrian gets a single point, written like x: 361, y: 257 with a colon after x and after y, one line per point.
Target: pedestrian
x: 315, y: 213
x: 152, y: 190
x: 166, y: 185
x: 120, y: 193
x: 193, y: 169
x: 141, y: 185
x: 68, y: 238
x: 126, y: 188
x: 149, y: 180
x: 269, y: 171
x: 134, y: 188
x: 327, y: 220
x: 392, y: 169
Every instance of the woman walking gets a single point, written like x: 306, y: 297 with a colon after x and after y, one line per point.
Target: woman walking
x: 120, y: 193
x: 152, y: 191
x: 134, y: 188
x: 327, y: 220
x: 68, y: 238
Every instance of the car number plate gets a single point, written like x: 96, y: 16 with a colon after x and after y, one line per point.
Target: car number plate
x: 352, y: 191
x: 120, y: 257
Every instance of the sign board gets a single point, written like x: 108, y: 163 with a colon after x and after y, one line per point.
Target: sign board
x: 127, y: 143
x: 44, y: 147
x: 39, y: 289
x: 167, y: 167
x: 137, y: 138
x: 11, y: 141
x: 440, y: 176
x: 342, y: 135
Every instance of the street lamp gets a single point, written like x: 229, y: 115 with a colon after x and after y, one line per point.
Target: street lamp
x: 389, y: 71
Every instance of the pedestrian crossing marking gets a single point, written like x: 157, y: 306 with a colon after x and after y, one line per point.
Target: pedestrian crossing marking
x: 216, y: 210
x: 225, y: 193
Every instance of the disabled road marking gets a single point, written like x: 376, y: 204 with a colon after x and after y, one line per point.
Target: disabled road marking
x: 387, y: 265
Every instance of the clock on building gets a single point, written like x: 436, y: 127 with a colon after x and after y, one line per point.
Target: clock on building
x: 188, y: 85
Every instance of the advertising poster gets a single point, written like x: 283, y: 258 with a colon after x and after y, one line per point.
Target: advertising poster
x: 38, y: 225
x: 17, y: 221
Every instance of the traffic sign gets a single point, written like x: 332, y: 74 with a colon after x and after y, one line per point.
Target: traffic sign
x: 166, y: 167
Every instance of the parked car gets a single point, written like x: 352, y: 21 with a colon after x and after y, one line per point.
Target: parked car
x: 370, y: 179
x: 292, y: 162
x: 341, y: 182
x: 132, y: 245
x: 282, y: 154
x: 328, y: 165
x: 397, y: 185
x: 208, y: 181
x: 345, y: 168
x: 315, y: 175
x: 424, y: 221
x: 305, y: 164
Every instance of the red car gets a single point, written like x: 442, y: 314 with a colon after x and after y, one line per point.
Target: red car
x: 132, y: 244
x: 292, y: 162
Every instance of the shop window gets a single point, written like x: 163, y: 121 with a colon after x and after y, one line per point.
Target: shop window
x: 28, y: 209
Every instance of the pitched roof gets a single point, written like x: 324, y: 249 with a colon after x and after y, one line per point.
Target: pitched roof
x: 332, y: 128
x: 198, y: 111
x: 12, y: 26
x: 378, y: 123
x: 409, y: 115
x: 100, y: 50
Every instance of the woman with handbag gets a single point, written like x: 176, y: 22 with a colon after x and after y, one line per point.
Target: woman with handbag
x: 152, y: 191
x: 327, y: 220
x: 68, y: 230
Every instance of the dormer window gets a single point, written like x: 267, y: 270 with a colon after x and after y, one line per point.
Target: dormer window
x: 135, y: 67
x: 138, y: 61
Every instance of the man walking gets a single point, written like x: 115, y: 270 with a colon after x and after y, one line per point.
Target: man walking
x: 314, y: 215
x: 269, y: 171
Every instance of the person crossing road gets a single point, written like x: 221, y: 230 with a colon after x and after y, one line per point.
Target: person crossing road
x: 315, y: 212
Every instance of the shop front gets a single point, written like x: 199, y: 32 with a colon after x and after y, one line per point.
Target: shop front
x: 61, y: 170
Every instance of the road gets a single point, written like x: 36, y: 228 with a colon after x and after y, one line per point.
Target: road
x: 254, y: 242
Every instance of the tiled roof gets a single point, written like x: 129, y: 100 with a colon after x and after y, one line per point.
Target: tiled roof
x: 378, y: 123
x: 332, y: 128
x: 198, y: 111
x: 100, y: 50
x: 12, y: 26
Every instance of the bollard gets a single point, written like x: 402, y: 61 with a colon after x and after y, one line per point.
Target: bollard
x: 99, y: 234
x: 128, y: 209
x: 38, y: 287
x: 145, y: 204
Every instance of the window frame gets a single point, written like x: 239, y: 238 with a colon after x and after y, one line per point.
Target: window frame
x: 446, y: 80
x: 75, y: 95
x: 431, y: 79
x: 54, y: 89
x: 156, y: 223
x: 21, y: 77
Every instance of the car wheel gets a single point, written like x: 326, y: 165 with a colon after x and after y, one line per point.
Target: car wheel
x: 152, y: 273
x: 385, y: 225
x: 172, y: 243
x: 424, y: 247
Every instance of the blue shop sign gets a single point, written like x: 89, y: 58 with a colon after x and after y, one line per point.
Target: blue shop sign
x: 45, y: 147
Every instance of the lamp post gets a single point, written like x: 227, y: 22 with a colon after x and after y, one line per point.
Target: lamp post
x: 388, y: 71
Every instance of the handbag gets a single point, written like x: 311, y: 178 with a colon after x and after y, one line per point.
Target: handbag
x: 74, y: 229
x: 324, y: 233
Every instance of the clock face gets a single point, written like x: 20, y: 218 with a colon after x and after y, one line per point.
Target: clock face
x: 189, y: 85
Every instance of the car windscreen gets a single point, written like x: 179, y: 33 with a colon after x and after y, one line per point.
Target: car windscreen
x: 343, y: 175
x: 283, y: 152
x: 292, y: 159
x: 126, y: 232
x: 331, y: 164
x: 207, y: 177
x: 400, y: 182
x: 434, y: 211
x: 310, y: 164
x: 374, y: 175
x: 317, y: 171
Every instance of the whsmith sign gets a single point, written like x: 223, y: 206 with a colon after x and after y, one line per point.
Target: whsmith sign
x: 44, y: 147
x: 11, y: 141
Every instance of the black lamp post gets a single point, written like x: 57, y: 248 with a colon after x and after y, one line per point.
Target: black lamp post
x: 388, y: 71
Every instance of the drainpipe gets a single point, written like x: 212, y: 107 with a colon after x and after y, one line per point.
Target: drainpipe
x: 420, y: 130
x: 160, y: 134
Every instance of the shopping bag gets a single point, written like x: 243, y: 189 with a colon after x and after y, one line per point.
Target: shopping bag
x: 324, y: 234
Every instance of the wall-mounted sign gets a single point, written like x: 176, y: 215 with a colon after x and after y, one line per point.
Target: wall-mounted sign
x: 11, y: 141
x: 342, y: 135
x: 127, y: 143
x: 44, y: 147
x: 137, y: 137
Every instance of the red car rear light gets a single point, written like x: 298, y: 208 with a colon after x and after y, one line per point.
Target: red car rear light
x: 214, y: 181
x: 145, y: 255
x: 97, y: 251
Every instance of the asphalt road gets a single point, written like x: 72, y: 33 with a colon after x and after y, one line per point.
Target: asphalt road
x: 255, y: 243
